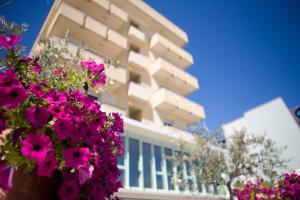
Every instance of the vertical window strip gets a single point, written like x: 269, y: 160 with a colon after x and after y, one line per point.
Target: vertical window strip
x: 147, y: 172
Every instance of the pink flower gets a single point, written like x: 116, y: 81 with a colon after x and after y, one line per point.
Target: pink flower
x: 2, y: 122
x: 37, y: 90
x: 47, y: 165
x: 11, y: 97
x: 8, y: 78
x: 69, y: 190
x: 77, y: 157
x: 37, y: 116
x: 63, y: 128
x: 9, y: 41
x: 99, y: 81
x: 85, y: 173
x: 53, y: 97
x: 118, y: 124
x: 92, y: 66
x: 98, y: 192
x: 37, y: 68
x: 56, y: 110
x: 36, y: 146
x: 12, y: 92
x: 90, y: 134
x: 6, y: 174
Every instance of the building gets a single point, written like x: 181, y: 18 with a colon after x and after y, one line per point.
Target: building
x: 149, y: 87
x: 276, y: 121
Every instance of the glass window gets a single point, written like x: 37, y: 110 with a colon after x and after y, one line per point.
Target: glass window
x: 121, y: 178
x: 157, y: 152
x: 169, y: 154
x: 147, y: 165
x: 159, y: 182
x: 134, y: 162
x: 122, y: 156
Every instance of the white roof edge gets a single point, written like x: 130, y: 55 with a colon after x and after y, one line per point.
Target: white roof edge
x: 150, y: 130
x: 160, y: 19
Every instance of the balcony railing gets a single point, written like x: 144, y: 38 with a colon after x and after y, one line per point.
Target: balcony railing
x: 173, y: 77
x: 176, y: 105
x: 138, y: 92
x: 136, y: 35
x: 94, y: 34
x: 138, y: 60
x: 103, y: 11
x: 171, y: 52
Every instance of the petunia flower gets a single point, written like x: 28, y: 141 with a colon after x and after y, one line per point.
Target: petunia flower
x: 85, y: 173
x: 99, y: 81
x: 47, y: 165
x: 53, y: 97
x: 92, y: 66
x: 9, y: 41
x: 36, y: 146
x: 37, y: 68
x: 6, y: 175
x: 37, y: 116
x: 77, y: 157
x: 90, y: 134
x: 69, y: 190
x: 63, y: 128
x: 8, y: 78
x: 118, y: 124
x: 37, y: 90
x: 11, y: 97
x: 56, y: 110
x: 98, y: 192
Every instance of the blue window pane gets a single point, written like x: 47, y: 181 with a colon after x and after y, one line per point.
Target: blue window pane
x: 199, y: 185
x: 147, y: 165
x: 157, y: 153
x: 159, y: 181
x: 134, y: 162
x: 180, y: 176
x: 169, y: 154
x: 121, y: 157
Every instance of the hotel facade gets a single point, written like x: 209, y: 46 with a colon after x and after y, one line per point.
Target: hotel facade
x: 149, y: 89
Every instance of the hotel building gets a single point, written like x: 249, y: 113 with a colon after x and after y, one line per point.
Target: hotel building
x: 149, y: 88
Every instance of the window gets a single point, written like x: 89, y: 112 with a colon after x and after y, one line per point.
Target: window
x: 135, y: 113
x: 169, y: 164
x: 134, y: 162
x: 135, y: 24
x: 121, y: 164
x: 134, y: 48
x: 147, y: 165
x: 135, y: 77
x: 158, y: 167
x: 190, y: 177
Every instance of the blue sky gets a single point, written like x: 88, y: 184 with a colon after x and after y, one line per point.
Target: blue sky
x: 245, y: 52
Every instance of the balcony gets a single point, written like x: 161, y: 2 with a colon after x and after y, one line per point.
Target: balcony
x: 136, y: 35
x: 103, y: 11
x: 95, y: 35
x: 138, y: 61
x: 172, y: 77
x: 109, y: 108
x: 171, y: 52
x: 138, y: 92
x: 173, y: 104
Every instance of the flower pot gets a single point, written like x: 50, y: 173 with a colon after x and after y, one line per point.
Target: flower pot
x: 30, y: 186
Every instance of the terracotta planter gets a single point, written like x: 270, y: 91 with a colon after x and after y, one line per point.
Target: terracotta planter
x: 29, y: 186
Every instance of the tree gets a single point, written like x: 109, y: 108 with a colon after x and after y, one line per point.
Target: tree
x: 216, y: 162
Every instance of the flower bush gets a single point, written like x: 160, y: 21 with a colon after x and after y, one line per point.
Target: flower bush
x: 47, y: 123
x: 286, y: 188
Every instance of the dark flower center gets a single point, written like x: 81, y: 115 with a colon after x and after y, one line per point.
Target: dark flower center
x: 14, y: 94
x: 88, y: 133
x: 48, y: 163
x: 56, y: 110
x: 69, y: 190
x: 76, y: 154
x: 36, y: 147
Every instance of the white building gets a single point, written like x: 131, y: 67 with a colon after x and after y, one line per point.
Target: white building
x: 276, y: 121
